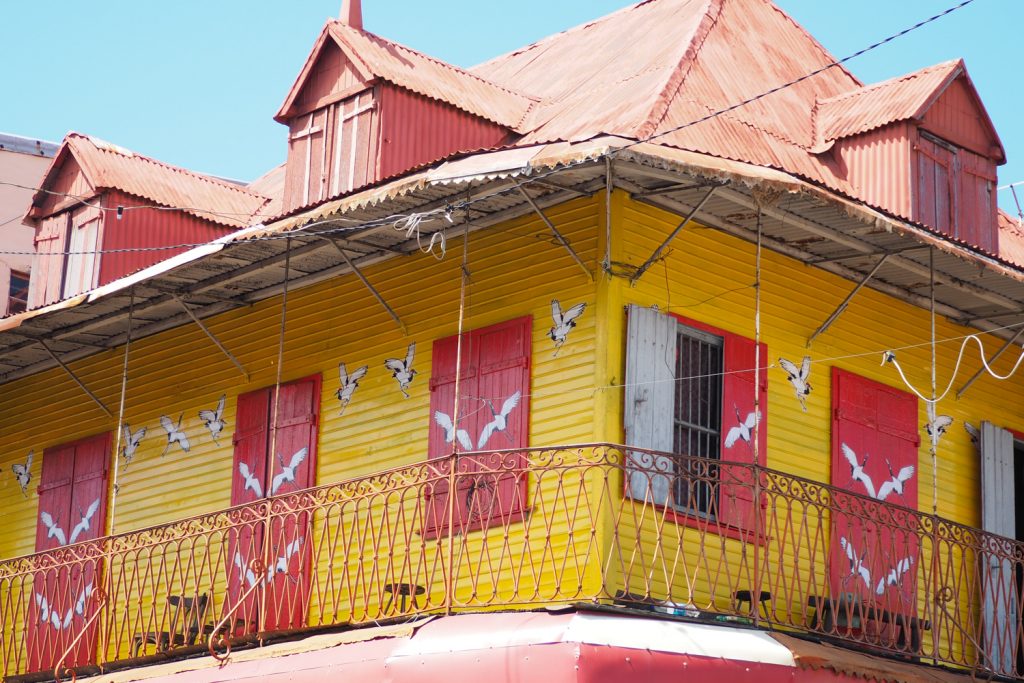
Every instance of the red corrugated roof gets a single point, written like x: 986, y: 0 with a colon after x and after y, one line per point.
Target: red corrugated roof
x: 878, y: 104
x: 108, y: 166
x: 270, y: 185
x: 1011, y: 238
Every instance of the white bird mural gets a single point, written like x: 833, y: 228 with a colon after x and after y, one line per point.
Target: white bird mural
x: 287, y: 474
x: 744, y: 429
x: 47, y: 614
x: 895, y: 575
x: 82, y: 597
x: 250, y: 576
x: 937, y: 426
x: 857, y: 567
x: 402, y: 370
x: 450, y: 433
x: 214, y: 419
x: 896, y: 481
x: 499, y: 423
x: 174, y: 433
x: 349, y: 384
x: 857, y: 472
x: 564, y: 322
x: 53, y: 530
x: 798, y: 378
x: 251, y: 482
x: 280, y: 566
x: 86, y: 522
x: 23, y: 473
x: 131, y: 443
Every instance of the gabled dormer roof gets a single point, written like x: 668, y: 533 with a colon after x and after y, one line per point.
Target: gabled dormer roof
x: 374, y: 58
x: 907, y: 97
x: 105, y: 166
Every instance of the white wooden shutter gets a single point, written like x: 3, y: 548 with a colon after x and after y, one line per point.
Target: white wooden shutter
x: 650, y: 401
x: 998, y: 512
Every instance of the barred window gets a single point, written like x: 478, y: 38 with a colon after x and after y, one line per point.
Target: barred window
x: 698, y: 417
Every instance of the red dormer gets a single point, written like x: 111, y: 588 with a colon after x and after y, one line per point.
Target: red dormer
x: 364, y: 109
x: 922, y: 146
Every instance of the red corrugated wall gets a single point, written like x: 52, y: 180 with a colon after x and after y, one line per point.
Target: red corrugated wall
x: 146, y: 228
x: 878, y: 165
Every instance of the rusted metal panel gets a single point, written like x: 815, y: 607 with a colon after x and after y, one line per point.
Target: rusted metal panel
x: 877, y: 164
x: 332, y: 74
x: 417, y: 130
x: 958, y: 116
x: 126, y: 240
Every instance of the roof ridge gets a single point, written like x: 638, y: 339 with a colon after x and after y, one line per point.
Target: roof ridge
x: 871, y: 87
x: 440, y: 62
x: 105, y: 146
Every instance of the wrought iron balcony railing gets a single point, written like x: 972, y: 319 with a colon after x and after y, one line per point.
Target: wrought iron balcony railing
x: 581, y: 524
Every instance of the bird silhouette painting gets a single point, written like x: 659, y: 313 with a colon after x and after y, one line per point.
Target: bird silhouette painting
x: 499, y: 421
x: 798, y: 378
x: 175, y: 434
x: 895, y: 481
x: 82, y: 598
x: 857, y: 472
x: 287, y: 475
x: 23, y: 473
x: 895, y: 575
x: 251, y: 482
x: 280, y: 566
x: 349, y: 384
x: 214, y: 420
x: 53, y: 530
x: 402, y: 370
x: 85, y: 523
x: 450, y: 433
x: 937, y: 426
x: 564, y: 322
x: 131, y: 443
x: 857, y: 567
x: 49, y: 615
x: 743, y: 429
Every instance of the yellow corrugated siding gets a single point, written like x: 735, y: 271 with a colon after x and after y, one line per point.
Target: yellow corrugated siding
x: 516, y: 270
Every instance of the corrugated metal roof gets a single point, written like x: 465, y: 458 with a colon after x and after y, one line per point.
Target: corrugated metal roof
x: 1011, y: 238
x: 270, y: 185
x: 108, y: 166
x: 878, y: 104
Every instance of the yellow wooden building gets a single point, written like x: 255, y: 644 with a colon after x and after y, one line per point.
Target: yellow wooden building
x: 650, y: 376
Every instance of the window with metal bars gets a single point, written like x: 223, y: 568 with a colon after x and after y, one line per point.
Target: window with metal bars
x: 697, y: 418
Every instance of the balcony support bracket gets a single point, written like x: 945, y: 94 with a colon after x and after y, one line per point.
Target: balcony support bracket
x: 846, y: 302
x: 679, y: 228
x: 558, y: 236
x: 211, y: 335
x: 73, y: 376
x: 373, y: 290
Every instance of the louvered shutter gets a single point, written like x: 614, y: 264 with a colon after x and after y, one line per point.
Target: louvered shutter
x: 73, y: 479
x: 998, y: 506
x: 736, y: 503
x: 649, y: 410
x: 48, y: 262
x: 442, y: 400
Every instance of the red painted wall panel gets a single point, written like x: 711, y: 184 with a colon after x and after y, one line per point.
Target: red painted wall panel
x: 955, y: 117
x: 877, y: 164
x: 146, y: 228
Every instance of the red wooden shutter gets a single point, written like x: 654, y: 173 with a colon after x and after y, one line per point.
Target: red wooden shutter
x: 442, y: 401
x: 48, y: 263
x: 736, y: 505
x: 73, y: 498
x: 503, y: 380
x: 876, y: 423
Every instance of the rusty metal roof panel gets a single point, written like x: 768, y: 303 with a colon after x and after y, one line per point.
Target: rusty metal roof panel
x: 879, y: 104
x: 110, y: 166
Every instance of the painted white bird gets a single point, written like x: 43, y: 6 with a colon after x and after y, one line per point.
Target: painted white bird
x: 49, y: 615
x: 450, y: 433
x: 972, y: 432
x: 251, y: 482
x: 349, y: 384
x: 896, y: 482
x: 938, y: 426
x: 44, y: 608
x: 402, y: 370
x: 564, y: 322
x: 857, y: 567
x: 281, y: 565
x: 250, y: 576
x: 23, y: 473
x: 895, y: 575
x: 287, y: 474
x: 798, y: 378
x: 131, y: 443
x: 53, y: 530
x: 58, y: 623
x: 857, y: 472
x: 86, y: 521
x: 743, y: 430
x: 174, y: 433
x: 499, y: 423
x: 82, y: 597
x: 214, y: 419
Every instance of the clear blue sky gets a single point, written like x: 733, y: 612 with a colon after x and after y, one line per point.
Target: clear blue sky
x: 196, y: 82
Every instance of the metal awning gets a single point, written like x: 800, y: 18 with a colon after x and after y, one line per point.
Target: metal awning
x: 800, y: 220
